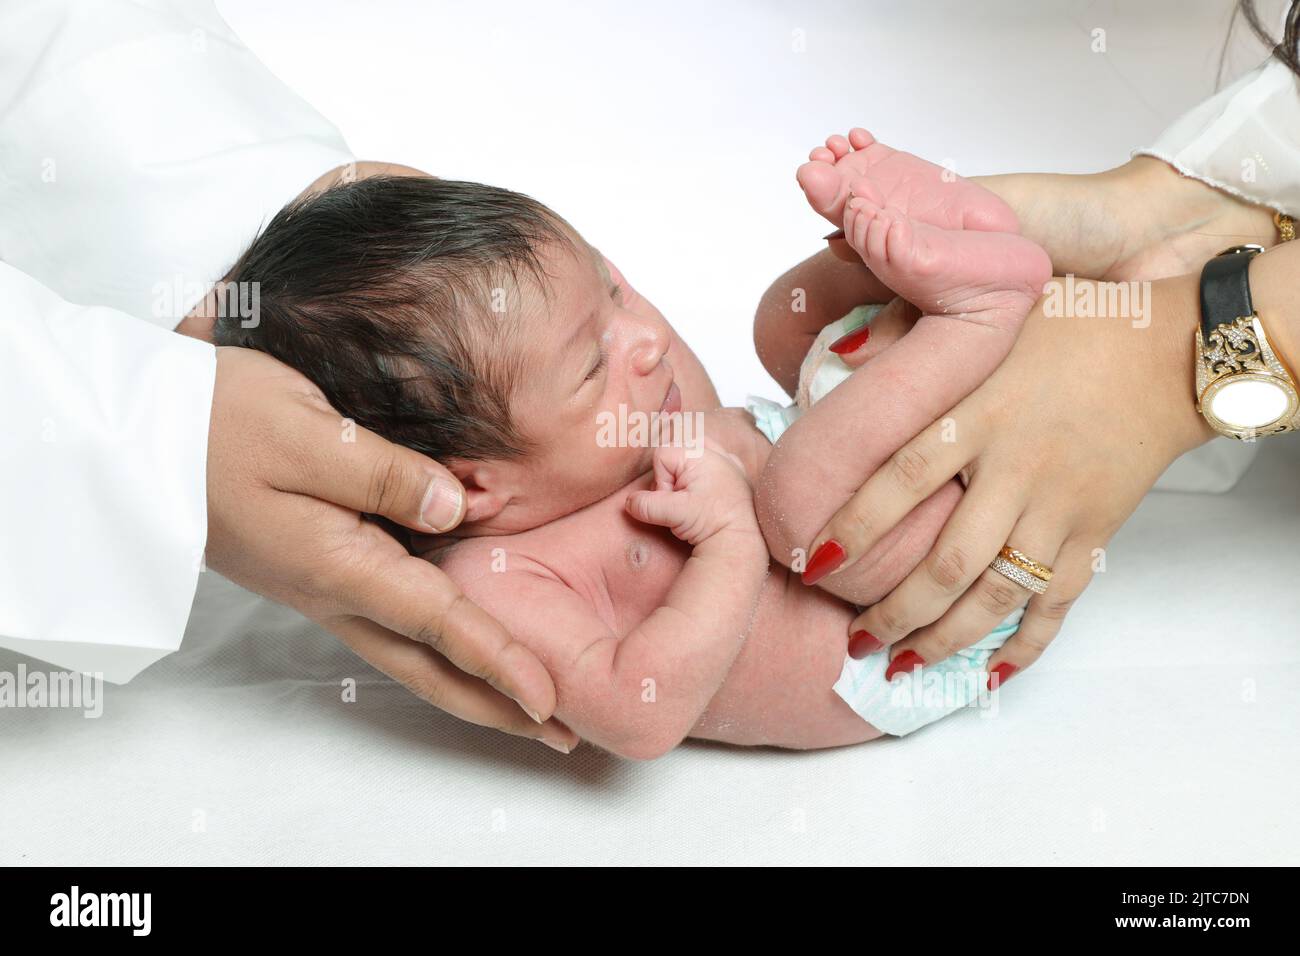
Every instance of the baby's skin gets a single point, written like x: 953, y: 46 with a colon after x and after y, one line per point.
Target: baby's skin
x: 657, y: 608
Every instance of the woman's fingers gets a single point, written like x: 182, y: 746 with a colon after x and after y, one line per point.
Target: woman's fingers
x: 988, y: 602
x: 889, y: 325
x: 968, y: 542
x: 907, y: 478
x: 1072, y: 573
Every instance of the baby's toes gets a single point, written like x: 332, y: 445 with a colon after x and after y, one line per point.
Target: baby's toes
x: 900, y: 242
x: 858, y: 215
x: 878, y: 235
x: 820, y: 154
x: 820, y: 184
x: 838, y: 145
x: 864, y: 188
x: 859, y: 138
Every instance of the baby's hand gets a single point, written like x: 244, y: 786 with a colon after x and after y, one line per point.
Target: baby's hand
x: 698, y: 493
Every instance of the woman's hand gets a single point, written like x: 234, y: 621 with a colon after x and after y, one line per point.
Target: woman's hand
x: 1057, y: 448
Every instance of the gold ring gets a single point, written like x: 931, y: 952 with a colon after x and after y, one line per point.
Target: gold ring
x: 1014, y: 572
x: 1024, y: 561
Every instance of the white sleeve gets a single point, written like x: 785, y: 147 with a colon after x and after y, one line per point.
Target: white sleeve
x: 103, y: 498
x: 1245, y: 139
x: 142, y: 147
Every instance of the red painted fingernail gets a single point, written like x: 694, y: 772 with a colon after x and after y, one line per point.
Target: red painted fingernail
x: 1001, y: 674
x: 837, y: 234
x: 904, y: 662
x: 851, y: 342
x: 824, y: 560
x: 862, y: 643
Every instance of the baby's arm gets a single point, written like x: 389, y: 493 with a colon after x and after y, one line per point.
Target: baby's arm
x: 640, y: 695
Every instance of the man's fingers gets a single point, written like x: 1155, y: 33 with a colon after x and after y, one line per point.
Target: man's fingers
x: 412, y: 597
x: 341, y: 462
x: 432, y: 678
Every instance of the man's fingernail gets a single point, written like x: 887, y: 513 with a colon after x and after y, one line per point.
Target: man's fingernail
x: 442, y: 503
x: 555, y: 745
x: 530, y: 712
x: 837, y: 234
x: 825, y: 559
x: 904, y: 662
x: 852, y: 341
x: 863, y: 644
x: 1001, y: 674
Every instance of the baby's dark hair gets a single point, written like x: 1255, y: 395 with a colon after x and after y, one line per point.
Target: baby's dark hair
x: 382, y: 292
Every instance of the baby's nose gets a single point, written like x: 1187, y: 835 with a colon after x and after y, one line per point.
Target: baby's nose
x: 652, y: 344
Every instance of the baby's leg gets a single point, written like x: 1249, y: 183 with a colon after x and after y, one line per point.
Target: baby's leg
x: 977, y: 288
x: 822, y: 459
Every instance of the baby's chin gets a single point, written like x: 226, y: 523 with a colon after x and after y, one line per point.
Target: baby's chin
x: 612, y: 478
x: 565, y: 498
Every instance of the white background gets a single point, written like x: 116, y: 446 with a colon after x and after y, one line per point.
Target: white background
x: 1160, y: 728
x: 668, y: 133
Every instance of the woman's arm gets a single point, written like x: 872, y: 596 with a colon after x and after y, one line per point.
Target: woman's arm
x: 1060, y: 444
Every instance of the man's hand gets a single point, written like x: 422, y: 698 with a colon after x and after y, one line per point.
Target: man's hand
x: 288, y: 480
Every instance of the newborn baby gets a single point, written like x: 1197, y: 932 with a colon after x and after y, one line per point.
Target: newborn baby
x: 610, y: 521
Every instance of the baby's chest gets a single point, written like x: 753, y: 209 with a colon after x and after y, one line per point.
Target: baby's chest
x: 640, y: 564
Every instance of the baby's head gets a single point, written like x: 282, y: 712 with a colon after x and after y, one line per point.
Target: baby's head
x: 469, y: 323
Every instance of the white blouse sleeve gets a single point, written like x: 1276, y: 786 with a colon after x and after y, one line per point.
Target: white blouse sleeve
x: 142, y: 146
x: 102, y: 488
x: 1244, y: 140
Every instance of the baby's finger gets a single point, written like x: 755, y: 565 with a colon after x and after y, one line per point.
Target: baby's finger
x: 667, y: 509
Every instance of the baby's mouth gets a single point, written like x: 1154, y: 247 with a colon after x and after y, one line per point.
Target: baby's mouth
x: 672, y: 402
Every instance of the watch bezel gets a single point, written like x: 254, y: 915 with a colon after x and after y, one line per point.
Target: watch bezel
x: 1283, y: 422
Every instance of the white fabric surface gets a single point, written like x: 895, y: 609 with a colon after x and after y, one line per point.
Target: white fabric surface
x: 1160, y: 728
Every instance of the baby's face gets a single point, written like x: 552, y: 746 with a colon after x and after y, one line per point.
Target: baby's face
x: 595, y: 368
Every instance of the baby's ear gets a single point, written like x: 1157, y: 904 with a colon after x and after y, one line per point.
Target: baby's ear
x: 486, y: 489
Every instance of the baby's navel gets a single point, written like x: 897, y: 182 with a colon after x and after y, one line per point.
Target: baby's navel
x: 638, y: 554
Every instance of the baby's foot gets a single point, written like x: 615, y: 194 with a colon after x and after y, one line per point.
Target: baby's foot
x: 989, y: 278
x: 890, y: 178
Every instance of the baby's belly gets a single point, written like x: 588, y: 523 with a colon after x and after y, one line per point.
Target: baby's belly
x: 778, y: 692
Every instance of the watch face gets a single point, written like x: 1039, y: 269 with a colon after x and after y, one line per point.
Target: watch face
x: 1250, y: 402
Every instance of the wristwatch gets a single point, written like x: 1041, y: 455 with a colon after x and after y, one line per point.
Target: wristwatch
x: 1242, y: 387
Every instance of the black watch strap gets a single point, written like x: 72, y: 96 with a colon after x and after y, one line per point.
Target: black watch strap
x: 1225, y: 288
